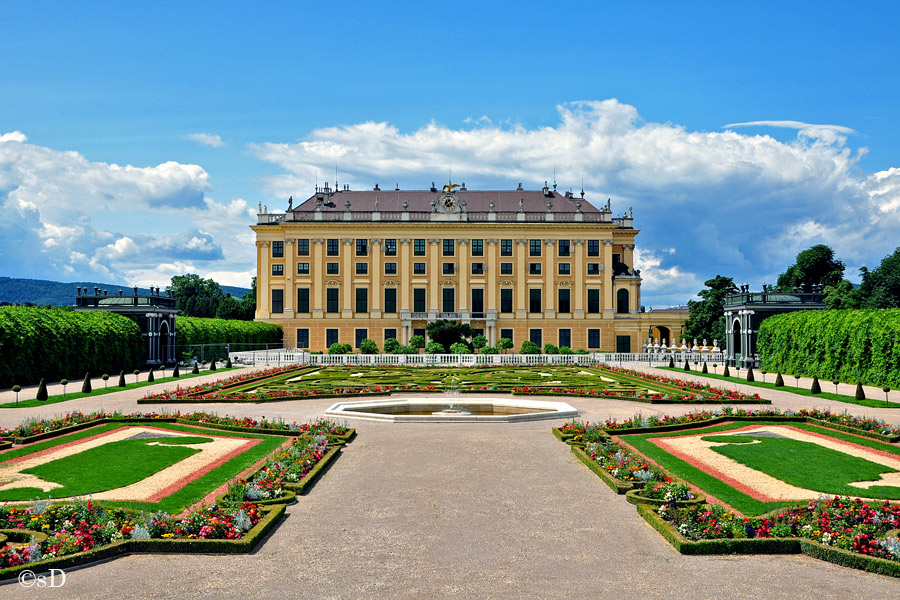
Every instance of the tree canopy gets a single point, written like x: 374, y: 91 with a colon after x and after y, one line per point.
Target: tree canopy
x: 706, y: 318
x: 814, y: 266
x: 446, y: 332
x: 198, y: 297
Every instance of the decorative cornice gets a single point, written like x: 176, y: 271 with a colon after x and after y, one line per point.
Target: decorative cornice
x: 507, y: 282
x: 390, y: 283
x: 333, y: 283
x: 448, y: 283
x: 318, y: 240
x: 347, y: 241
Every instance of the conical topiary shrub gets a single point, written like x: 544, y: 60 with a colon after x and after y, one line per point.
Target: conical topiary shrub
x: 750, y: 376
x: 860, y: 393
x: 228, y: 364
x: 42, y: 394
x: 150, y: 376
x: 671, y: 362
x: 779, y: 381
x: 86, y: 386
x: 122, y: 379
x: 196, y: 369
x: 815, y: 388
x: 212, y: 365
x: 687, y: 365
x: 176, y: 373
x: 704, y: 369
x: 726, y: 372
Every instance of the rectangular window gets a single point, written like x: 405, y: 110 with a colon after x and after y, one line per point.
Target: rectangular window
x: 333, y: 248
x: 593, y: 338
x: 506, y: 300
x: 362, y: 268
x: 390, y: 268
x: 303, y: 250
x: 302, y: 338
x: 277, y: 301
x: 362, y: 300
x: 362, y: 247
x: 505, y: 247
x: 303, y: 303
x: 418, y: 247
x: 418, y: 268
x: 593, y: 247
x: 565, y: 338
x: 332, y: 300
x: 277, y: 249
x: 390, y: 247
x: 302, y: 268
x: 508, y: 334
x: 506, y: 268
x: 449, y: 268
x: 361, y: 334
x: 390, y: 333
x: 449, y: 248
x: 534, y: 268
x: 534, y: 247
x: 332, y: 268
x: 593, y: 301
x: 477, y: 268
x: 537, y: 337
x: 564, y: 246
x: 477, y: 300
x: 331, y: 337
x: 616, y: 258
x: 564, y: 303
x: 593, y: 268
x: 477, y: 247
x: 278, y: 270
x: 449, y: 300
x: 418, y: 300
x: 565, y: 268
x: 390, y: 300
x: 534, y: 300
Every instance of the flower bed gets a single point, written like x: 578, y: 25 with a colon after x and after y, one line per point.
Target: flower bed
x: 662, y: 493
x: 648, y: 397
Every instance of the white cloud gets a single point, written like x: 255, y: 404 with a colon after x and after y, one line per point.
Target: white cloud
x: 207, y: 139
x: 13, y: 136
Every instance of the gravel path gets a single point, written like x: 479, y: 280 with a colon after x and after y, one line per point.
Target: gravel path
x: 464, y: 511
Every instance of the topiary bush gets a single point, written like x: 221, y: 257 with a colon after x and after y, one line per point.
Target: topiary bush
x: 196, y: 369
x: 212, y: 365
x: 860, y: 392
x: 459, y: 348
x: 671, y: 362
x: 86, y: 385
x: 150, y: 376
x: 529, y: 347
x: 391, y: 346
x: 176, y: 372
x: 435, y: 348
x: 726, y: 372
x: 687, y: 365
x: 815, y: 388
x: 368, y: 346
x: 228, y: 364
x: 705, y: 369
x: 750, y: 376
x: 42, y: 394
x: 122, y: 379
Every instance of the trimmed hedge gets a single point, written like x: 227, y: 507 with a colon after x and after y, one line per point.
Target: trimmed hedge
x: 845, y: 345
x: 53, y: 343
x: 195, y: 330
x: 617, y: 485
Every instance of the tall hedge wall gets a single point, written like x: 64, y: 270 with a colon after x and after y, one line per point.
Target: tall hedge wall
x: 848, y: 345
x: 55, y: 343
x: 192, y: 331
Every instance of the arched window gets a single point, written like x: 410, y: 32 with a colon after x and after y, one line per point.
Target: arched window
x: 622, y: 301
x: 736, y: 336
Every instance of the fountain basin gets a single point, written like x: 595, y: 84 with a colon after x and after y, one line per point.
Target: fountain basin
x: 434, y: 410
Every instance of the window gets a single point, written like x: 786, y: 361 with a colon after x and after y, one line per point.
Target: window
x: 277, y: 270
x: 418, y: 268
x: 506, y: 301
x: 477, y: 268
x: 419, y: 300
x: 593, y: 338
x: 331, y: 337
x: 390, y: 333
x: 593, y: 301
x: 277, y: 301
x: 507, y: 333
x: 333, y: 248
x: 332, y: 268
x: 302, y: 303
x: 506, y: 268
x: 564, y: 303
x: 622, y: 301
x: 477, y: 247
x: 616, y: 258
x: 623, y: 344
x: 361, y: 334
x: 565, y: 338
x: 564, y: 246
x: 362, y: 300
x: 565, y: 268
x: 332, y: 300
x: 302, y: 338
x: 449, y: 268
x: 534, y: 300
x: 302, y: 268
x: 362, y: 268
x: 449, y: 247
x: 277, y: 249
x: 536, y: 336
x: 390, y: 300
x: 534, y: 268
x: 362, y: 247
x: 303, y: 250
x: 593, y: 268
x: 477, y: 300
x: 449, y: 300
x: 390, y: 247
x: 421, y: 332
x: 593, y: 247
x: 534, y: 247
x: 505, y: 247
x: 418, y: 247
x: 390, y: 268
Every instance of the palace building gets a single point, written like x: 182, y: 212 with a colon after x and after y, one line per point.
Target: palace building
x: 343, y: 266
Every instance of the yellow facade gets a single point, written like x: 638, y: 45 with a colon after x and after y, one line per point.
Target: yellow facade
x: 522, y: 264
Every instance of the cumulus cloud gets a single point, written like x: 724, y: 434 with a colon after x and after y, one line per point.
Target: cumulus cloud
x: 207, y: 139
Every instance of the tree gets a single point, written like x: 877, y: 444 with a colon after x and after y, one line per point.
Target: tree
x: 706, y: 320
x: 446, y: 332
x: 232, y: 308
x: 249, y: 301
x: 814, y: 266
x: 504, y: 344
x: 435, y: 348
x: 550, y: 349
x: 391, y: 346
x: 417, y: 341
x: 565, y: 350
x: 529, y: 347
x: 338, y: 348
x: 842, y: 295
x: 42, y: 391
x: 86, y: 385
x: 488, y: 350
x: 176, y: 373
x: 880, y: 287
x: 459, y: 348
x: 479, y: 341
x: 122, y: 379
x: 195, y: 296
x: 367, y: 346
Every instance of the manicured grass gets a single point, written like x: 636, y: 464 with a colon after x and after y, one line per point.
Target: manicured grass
x: 76, y: 385
x: 870, y: 402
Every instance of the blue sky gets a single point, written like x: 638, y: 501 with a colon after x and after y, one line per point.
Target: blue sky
x: 137, y: 139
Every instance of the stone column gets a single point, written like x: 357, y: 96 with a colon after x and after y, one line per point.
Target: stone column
x: 628, y: 255
x: 263, y: 295
x: 318, y: 269
x: 347, y: 278
x: 608, y: 291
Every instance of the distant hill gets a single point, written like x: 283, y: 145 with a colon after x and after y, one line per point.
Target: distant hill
x: 57, y: 293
